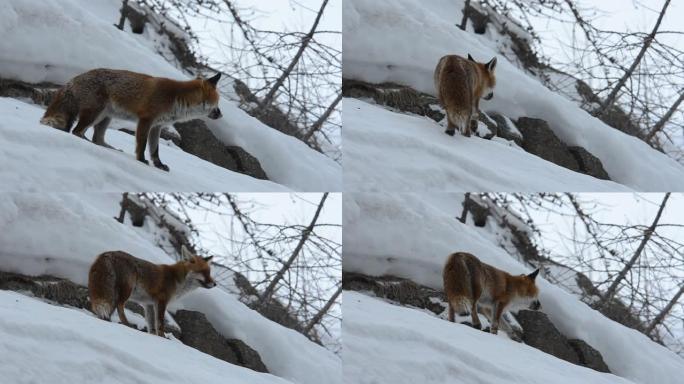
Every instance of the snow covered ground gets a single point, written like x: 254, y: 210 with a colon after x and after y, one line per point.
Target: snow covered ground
x: 42, y: 343
x: 55, y: 40
x: 410, y: 236
x: 385, y: 343
x: 60, y: 235
x: 410, y: 154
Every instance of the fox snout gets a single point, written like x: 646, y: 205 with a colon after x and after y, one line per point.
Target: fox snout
x: 208, y: 284
x: 489, y: 96
x: 535, y: 305
x: 215, y: 114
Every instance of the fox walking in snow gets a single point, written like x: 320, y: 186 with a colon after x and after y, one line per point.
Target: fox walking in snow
x: 96, y: 96
x: 115, y: 277
x: 469, y: 282
x: 460, y: 84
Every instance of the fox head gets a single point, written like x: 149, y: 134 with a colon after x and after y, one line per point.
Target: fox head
x: 528, y: 291
x: 489, y: 77
x: 210, y: 96
x: 199, y: 270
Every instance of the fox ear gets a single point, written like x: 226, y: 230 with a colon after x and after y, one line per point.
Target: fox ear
x: 471, y: 58
x: 186, y: 254
x: 534, y: 274
x: 491, y: 65
x: 208, y: 258
x: 214, y: 80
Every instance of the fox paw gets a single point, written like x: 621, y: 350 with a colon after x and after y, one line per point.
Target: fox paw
x: 161, y: 166
x: 450, y: 132
x: 488, y: 329
x: 144, y: 161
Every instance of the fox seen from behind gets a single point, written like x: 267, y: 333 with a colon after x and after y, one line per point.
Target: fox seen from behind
x: 115, y: 277
x: 460, y: 83
x: 97, y: 96
x: 468, y: 282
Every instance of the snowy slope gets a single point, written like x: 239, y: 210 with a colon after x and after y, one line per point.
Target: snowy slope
x: 410, y: 236
x: 42, y: 343
x: 74, y: 228
x: 55, y: 40
x: 381, y: 44
x: 386, y: 343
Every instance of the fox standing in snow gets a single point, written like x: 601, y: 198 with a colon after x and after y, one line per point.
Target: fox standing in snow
x: 460, y: 84
x: 468, y: 281
x: 117, y: 276
x: 96, y: 96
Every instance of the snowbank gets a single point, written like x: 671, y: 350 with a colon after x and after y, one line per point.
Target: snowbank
x: 381, y: 45
x: 43, y: 343
x: 61, y: 234
x: 410, y: 236
x: 385, y: 343
x: 54, y: 40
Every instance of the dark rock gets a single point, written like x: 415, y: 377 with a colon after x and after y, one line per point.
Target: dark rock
x: 39, y: 93
x: 588, y: 356
x: 198, y: 140
x: 588, y: 163
x: 47, y: 287
x: 504, y: 130
x: 491, y: 126
x: 540, y: 140
x: 539, y: 332
x: 478, y: 212
x: 197, y: 332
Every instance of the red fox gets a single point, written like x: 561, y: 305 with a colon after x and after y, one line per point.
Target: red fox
x: 117, y: 276
x: 468, y: 281
x: 96, y: 96
x: 460, y: 84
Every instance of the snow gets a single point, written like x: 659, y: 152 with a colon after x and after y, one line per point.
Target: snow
x: 56, y: 40
x: 412, y: 153
x: 410, y: 236
x: 62, y: 234
x: 381, y: 45
x: 42, y: 343
x: 384, y: 343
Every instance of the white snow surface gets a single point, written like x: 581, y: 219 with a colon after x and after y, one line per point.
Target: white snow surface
x: 410, y: 236
x: 43, y: 343
x: 385, y: 343
x: 55, y: 40
x: 62, y: 234
x: 381, y: 44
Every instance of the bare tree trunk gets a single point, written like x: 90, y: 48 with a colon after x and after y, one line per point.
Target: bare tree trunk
x: 464, y: 20
x: 122, y: 212
x: 323, y: 311
x: 647, y: 43
x: 319, y: 123
x: 663, y: 120
x: 268, y: 292
x: 658, y: 319
x: 124, y: 12
x: 305, y: 43
x: 464, y: 212
x: 647, y: 236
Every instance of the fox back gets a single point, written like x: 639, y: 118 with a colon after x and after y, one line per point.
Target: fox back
x: 460, y: 83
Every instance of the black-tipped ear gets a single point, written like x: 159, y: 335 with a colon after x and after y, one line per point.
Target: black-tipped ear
x: 208, y: 258
x: 491, y: 65
x: 471, y: 58
x: 534, y: 274
x: 214, y: 80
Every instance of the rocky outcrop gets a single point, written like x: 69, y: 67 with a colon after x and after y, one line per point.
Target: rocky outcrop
x: 588, y: 356
x: 46, y: 287
x: 197, y: 332
x: 539, y: 139
x: 197, y: 139
x: 588, y: 163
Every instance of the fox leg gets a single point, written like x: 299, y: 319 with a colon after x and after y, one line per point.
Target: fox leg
x: 153, y: 147
x: 122, y: 314
x: 451, y: 312
x: 141, y: 133
x: 86, y: 118
x: 473, y: 314
x: 451, y: 127
x: 498, y: 310
x: 100, y: 130
x: 160, y: 311
x: 149, y: 318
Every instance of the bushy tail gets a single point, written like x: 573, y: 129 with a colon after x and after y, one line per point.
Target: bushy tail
x: 461, y: 120
x: 102, y: 287
x: 62, y: 111
x: 456, y: 284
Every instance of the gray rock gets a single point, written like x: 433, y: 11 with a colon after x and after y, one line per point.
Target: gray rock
x: 588, y: 356
x: 505, y: 131
x: 491, y: 126
x: 197, y: 332
x: 540, y: 140
x: 51, y: 288
x: 197, y: 139
x: 588, y: 163
x: 539, y: 332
